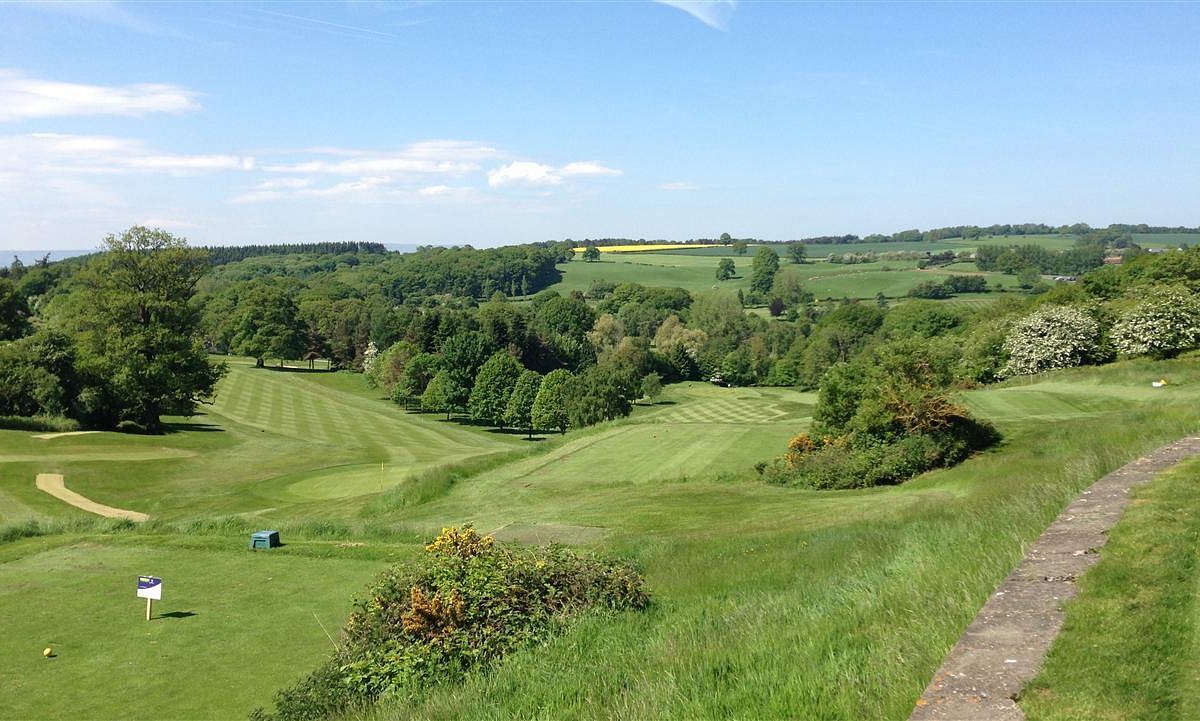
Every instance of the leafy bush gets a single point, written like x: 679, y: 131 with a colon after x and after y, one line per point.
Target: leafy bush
x: 1161, y: 326
x: 883, y: 419
x: 467, y: 604
x: 1055, y: 336
x: 48, y: 424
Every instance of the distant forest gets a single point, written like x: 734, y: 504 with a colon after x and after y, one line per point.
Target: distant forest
x: 966, y: 232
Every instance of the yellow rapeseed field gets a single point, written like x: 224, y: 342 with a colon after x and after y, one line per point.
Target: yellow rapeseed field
x: 660, y: 246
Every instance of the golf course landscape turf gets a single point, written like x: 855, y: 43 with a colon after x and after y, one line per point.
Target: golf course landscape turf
x: 769, y: 602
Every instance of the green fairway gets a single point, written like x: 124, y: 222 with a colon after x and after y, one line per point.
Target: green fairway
x: 275, y: 443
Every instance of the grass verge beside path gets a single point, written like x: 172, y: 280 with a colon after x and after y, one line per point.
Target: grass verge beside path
x: 1129, y: 648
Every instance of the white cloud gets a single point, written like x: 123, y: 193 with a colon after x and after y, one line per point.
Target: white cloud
x: 531, y: 174
x: 523, y: 172
x: 23, y: 98
x: 431, y: 157
x: 681, y: 185
x: 587, y: 167
x: 57, y: 153
x: 444, y: 191
x: 64, y: 154
x: 714, y: 13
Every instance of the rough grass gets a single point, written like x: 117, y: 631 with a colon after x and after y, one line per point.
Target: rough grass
x: 1129, y: 648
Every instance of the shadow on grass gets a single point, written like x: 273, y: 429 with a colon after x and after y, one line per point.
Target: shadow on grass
x: 177, y: 614
x: 169, y: 428
x: 295, y: 369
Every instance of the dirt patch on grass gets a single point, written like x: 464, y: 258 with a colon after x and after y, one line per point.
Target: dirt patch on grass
x: 49, y: 436
x: 53, y: 484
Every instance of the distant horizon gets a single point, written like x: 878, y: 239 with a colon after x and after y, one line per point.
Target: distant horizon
x: 29, y: 256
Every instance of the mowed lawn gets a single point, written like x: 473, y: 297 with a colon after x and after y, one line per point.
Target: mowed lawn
x: 277, y: 444
x: 232, y: 625
x: 619, y: 479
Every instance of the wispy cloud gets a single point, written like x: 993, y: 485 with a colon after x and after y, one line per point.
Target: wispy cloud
x: 443, y: 157
x: 531, y: 174
x: 62, y: 154
x: 326, y: 25
x: 587, y: 167
x: 714, y: 13
x: 23, y: 98
x: 679, y: 186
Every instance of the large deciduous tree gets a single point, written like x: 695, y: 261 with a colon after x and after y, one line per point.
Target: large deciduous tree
x: 764, y: 268
x: 493, y: 388
x: 550, y: 406
x: 14, y: 313
x: 138, y: 330
x: 519, y: 412
x: 266, y: 324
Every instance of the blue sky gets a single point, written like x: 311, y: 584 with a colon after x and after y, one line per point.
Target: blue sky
x: 494, y: 123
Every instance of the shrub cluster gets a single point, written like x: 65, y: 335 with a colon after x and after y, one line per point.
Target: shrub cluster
x: 883, y: 419
x: 468, y: 603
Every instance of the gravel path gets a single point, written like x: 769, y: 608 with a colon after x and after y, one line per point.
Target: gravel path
x: 1003, y: 648
x: 52, y: 483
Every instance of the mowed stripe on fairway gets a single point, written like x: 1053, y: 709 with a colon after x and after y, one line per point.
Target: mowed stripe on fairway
x: 301, y: 407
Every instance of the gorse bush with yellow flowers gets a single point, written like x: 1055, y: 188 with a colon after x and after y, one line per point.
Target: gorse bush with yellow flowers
x: 468, y: 603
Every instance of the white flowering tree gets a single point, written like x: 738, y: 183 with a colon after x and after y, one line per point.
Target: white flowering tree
x: 1056, y: 336
x: 1162, y: 326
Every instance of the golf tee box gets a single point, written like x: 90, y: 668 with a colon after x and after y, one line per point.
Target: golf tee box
x: 264, y: 540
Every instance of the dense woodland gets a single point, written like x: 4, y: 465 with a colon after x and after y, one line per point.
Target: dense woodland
x: 135, y: 333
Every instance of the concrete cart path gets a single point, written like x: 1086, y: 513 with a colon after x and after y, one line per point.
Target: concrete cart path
x: 1004, y: 647
x: 52, y: 483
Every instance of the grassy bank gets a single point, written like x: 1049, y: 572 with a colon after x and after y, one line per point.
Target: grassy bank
x: 1129, y: 648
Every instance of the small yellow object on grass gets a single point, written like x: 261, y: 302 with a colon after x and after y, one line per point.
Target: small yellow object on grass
x: 47, y: 652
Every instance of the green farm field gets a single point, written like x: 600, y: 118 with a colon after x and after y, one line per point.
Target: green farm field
x: 695, y: 272
x: 863, y: 590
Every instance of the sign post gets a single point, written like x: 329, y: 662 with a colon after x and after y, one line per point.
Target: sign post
x: 149, y: 588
